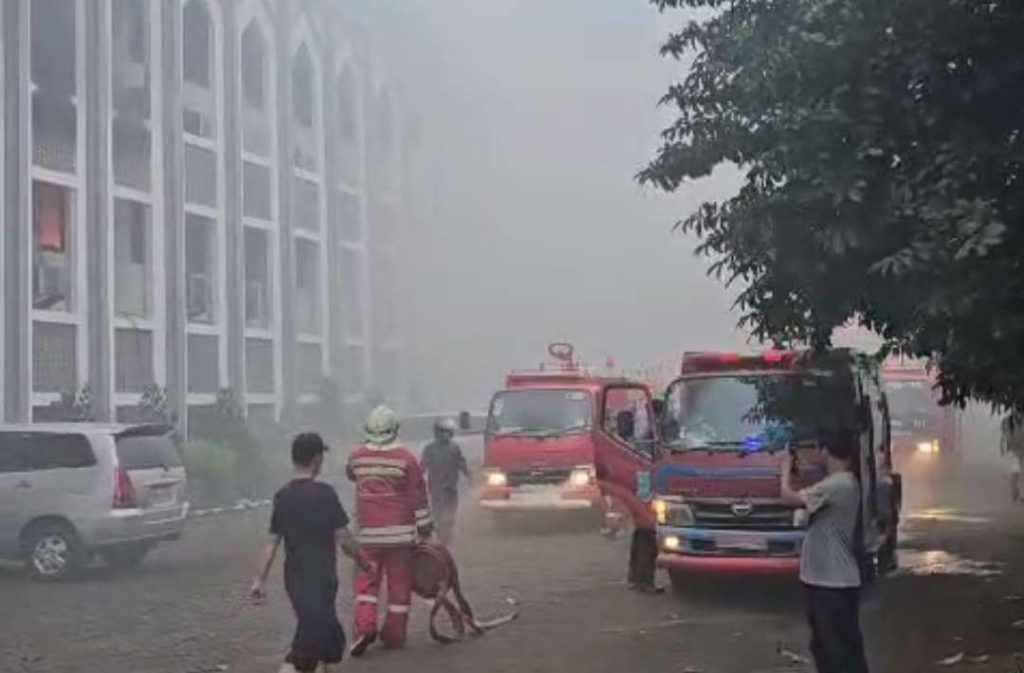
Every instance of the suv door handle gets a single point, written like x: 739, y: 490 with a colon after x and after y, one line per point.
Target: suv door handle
x: 23, y: 484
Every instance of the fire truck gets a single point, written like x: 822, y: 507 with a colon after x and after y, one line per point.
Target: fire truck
x: 564, y: 439
x: 925, y: 434
x: 729, y: 419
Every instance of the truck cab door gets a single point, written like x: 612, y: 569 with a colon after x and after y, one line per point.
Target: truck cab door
x: 626, y: 448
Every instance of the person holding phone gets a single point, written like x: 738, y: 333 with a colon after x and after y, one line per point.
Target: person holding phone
x: 829, y: 567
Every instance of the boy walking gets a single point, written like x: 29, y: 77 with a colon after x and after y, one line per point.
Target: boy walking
x: 829, y: 567
x: 309, y: 519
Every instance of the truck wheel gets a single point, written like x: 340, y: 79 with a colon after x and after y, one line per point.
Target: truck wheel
x: 52, y: 551
x: 125, y: 556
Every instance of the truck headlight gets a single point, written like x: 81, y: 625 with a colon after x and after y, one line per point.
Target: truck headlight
x: 496, y: 478
x: 671, y: 543
x: 672, y: 512
x: 582, y: 476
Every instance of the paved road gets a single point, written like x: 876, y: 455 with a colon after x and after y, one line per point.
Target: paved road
x: 184, y: 610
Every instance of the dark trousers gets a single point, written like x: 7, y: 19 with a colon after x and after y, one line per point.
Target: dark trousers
x: 836, y: 642
x: 643, y: 555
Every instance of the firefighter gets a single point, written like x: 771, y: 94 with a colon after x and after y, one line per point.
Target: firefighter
x: 443, y: 462
x: 393, y: 514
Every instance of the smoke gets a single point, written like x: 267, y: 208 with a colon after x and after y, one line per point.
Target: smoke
x: 529, y: 121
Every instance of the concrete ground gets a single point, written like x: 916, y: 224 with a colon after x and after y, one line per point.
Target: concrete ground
x: 960, y: 597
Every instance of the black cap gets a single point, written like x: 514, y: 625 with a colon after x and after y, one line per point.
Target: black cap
x: 306, y: 446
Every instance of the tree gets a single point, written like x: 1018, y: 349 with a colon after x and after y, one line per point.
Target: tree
x: 880, y: 142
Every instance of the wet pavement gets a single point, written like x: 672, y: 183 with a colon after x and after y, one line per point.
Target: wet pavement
x: 958, y: 599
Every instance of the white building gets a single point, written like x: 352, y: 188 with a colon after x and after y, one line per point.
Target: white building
x: 199, y: 195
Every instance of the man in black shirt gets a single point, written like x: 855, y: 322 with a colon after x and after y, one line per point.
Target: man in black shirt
x: 309, y: 519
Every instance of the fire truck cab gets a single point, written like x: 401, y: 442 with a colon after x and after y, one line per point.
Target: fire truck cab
x: 563, y: 439
x: 925, y: 435
x: 729, y: 419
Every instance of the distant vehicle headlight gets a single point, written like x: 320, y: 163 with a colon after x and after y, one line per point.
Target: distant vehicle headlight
x: 582, y: 476
x: 496, y: 478
x: 928, y: 447
x: 800, y: 518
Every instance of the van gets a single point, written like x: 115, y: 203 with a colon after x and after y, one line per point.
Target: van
x: 69, y: 492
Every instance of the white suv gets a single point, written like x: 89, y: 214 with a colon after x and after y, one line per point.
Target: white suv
x: 71, y: 491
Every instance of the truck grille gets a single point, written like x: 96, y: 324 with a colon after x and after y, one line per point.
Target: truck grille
x: 773, y: 548
x: 544, y: 476
x: 759, y: 517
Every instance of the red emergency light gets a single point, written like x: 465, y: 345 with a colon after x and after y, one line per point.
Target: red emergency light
x: 701, y: 362
x: 777, y: 357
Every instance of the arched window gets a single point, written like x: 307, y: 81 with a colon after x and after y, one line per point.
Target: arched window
x: 302, y: 89
x: 204, y: 218
x: 198, y: 67
x: 197, y: 43
x: 346, y: 128
x: 254, y: 67
x: 59, y: 254
x: 346, y: 120
x: 309, y: 281
x: 257, y: 120
x: 381, y: 146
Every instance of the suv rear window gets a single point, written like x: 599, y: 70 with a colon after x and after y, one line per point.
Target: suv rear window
x: 34, y: 451
x: 147, y: 452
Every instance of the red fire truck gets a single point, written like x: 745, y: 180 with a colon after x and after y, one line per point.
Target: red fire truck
x: 562, y: 439
x: 925, y: 435
x: 729, y: 420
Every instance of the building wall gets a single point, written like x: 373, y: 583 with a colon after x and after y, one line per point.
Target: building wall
x: 202, y: 195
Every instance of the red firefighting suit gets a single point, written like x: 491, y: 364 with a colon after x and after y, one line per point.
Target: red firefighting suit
x: 391, y: 507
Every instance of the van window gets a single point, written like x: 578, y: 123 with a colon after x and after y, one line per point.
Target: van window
x: 34, y: 451
x: 147, y: 452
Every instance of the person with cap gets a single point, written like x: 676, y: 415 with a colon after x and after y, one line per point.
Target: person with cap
x: 443, y: 462
x: 309, y: 519
x: 393, y: 514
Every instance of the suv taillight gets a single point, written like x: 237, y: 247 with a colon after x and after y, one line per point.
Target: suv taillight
x: 124, y: 490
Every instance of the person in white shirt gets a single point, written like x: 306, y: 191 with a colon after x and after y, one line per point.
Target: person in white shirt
x: 829, y: 560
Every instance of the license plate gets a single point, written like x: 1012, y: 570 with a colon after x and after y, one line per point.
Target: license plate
x: 741, y: 542
x: 534, y: 494
x: 160, y: 497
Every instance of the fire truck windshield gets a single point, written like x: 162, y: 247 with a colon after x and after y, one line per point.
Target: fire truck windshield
x: 540, y: 413
x: 755, y: 412
x: 911, y: 402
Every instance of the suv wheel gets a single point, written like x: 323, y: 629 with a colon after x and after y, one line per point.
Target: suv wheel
x: 52, y: 551
x: 126, y: 556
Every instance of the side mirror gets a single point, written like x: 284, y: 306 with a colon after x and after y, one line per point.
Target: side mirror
x: 465, y: 421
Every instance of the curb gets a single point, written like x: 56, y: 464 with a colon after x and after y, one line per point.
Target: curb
x: 240, y: 506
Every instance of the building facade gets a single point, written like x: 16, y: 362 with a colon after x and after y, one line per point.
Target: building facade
x: 199, y: 196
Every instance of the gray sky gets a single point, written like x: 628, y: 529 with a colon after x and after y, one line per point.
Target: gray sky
x: 531, y: 119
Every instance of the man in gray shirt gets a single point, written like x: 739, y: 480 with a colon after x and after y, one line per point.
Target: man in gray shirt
x: 829, y: 562
x: 443, y: 462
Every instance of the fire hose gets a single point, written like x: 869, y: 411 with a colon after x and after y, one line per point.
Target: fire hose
x: 434, y: 576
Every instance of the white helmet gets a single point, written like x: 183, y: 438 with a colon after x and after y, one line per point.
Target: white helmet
x: 381, y: 426
x: 445, y: 425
